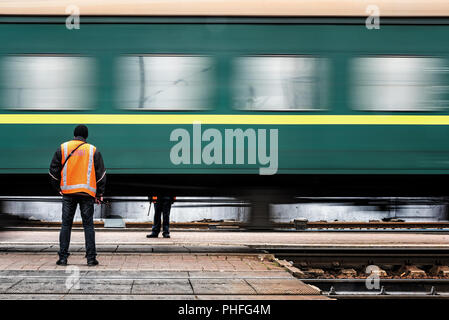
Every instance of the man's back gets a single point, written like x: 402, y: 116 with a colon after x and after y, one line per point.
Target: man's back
x: 78, y: 173
x: 83, y: 172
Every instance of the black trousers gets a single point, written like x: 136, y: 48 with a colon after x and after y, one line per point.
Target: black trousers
x: 69, y: 203
x: 161, y: 208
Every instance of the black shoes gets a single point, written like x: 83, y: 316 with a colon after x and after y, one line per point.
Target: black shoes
x: 92, y: 262
x: 155, y: 235
x: 152, y: 235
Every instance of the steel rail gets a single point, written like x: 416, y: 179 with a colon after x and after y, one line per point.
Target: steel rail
x: 385, y: 288
x: 340, y: 257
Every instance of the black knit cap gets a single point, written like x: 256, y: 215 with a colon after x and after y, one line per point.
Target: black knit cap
x: 81, y: 131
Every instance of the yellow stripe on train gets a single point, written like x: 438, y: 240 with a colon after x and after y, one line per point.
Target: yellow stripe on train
x: 231, y: 119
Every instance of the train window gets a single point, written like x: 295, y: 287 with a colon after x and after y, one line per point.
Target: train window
x: 46, y: 82
x: 280, y: 83
x: 399, y: 83
x: 156, y: 82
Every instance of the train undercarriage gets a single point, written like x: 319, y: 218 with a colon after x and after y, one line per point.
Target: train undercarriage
x: 259, y: 191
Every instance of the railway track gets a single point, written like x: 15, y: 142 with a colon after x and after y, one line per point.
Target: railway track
x: 328, y: 256
x: 386, y: 288
x: 376, y: 273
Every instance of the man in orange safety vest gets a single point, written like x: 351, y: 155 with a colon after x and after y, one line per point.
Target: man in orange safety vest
x: 77, y: 172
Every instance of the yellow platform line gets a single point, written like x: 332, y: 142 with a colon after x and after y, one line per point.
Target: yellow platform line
x: 231, y: 119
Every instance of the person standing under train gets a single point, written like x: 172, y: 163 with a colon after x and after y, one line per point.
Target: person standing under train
x: 77, y: 172
x: 162, y: 206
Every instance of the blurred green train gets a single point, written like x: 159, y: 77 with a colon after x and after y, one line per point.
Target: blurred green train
x: 328, y: 102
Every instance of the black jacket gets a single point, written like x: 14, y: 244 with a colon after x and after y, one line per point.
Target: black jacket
x: 56, y: 167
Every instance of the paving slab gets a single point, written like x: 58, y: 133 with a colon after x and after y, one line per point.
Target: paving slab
x: 31, y: 296
x: 5, y: 284
x: 240, y: 275
x: 32, y: 273
x: 135, y: 275
x: 95, y: 286
x: 221, y: 286
x: 39, y: 286
x: 162, y: 286
x: 282, y: 286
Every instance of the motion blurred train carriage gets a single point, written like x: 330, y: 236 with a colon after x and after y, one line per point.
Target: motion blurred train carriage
x: 359, y: 111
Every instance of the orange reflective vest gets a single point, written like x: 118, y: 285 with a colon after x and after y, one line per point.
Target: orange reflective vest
x: 78, y: 174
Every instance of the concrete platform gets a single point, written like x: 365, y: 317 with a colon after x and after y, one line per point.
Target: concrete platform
x: 150, y: 276
x: 245, y: 242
